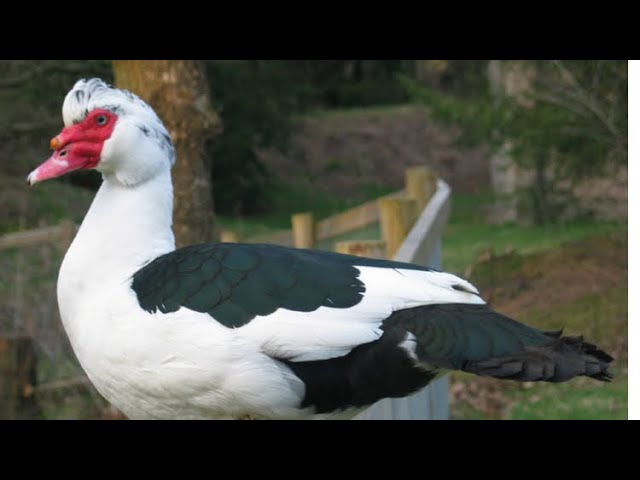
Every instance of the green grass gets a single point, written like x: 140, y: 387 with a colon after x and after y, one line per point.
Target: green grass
x: 580, y: 400
x: 600, y: 317
x: 466, y: 235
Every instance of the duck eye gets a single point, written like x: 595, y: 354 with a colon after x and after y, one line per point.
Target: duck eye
x: 101, y: 120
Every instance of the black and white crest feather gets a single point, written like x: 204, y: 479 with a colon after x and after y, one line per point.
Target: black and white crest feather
x: 89, y: 94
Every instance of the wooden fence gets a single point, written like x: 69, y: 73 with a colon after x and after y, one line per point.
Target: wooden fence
x: 61, y: 234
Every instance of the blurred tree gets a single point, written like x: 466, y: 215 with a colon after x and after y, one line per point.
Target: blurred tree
x: 463, y: 78
x: 256, y: 100
x: 347, y: 83
x: 563, y: 120
x: 178, y: 91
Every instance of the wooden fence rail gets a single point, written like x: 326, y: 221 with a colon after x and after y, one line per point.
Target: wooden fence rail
x: 420, y: 184
x: 347, y: 221
x: 62, y: 234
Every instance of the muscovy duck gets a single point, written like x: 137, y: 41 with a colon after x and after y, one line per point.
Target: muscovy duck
x: 235, y: 330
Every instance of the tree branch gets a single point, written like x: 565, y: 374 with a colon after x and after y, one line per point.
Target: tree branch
x: 586, y: 100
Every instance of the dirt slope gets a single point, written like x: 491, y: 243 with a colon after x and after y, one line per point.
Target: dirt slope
x: 350, y: 153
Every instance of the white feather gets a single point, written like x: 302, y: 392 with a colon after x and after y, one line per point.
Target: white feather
x: 410, y: 344
x: 331, y: 332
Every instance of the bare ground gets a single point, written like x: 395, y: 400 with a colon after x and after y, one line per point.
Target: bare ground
x: 554, y: 277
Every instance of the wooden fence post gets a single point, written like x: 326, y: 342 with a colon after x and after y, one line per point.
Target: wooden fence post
x: 17, y: 378
x: 397, y: 216
x: 227, y: 236
x: 303, y: 230
x: 420, y: 183
x: 67, y: 233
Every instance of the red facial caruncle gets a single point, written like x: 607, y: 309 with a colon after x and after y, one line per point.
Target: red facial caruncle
x: 77, y: 147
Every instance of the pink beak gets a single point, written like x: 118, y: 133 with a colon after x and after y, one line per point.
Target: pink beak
x: 53, y: 167
x: 67, y: 158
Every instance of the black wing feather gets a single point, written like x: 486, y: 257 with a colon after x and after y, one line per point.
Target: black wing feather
x: 236, y: 282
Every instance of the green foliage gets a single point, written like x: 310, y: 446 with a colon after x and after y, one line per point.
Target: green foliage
x: 255, y: 102
x: 346, y: 83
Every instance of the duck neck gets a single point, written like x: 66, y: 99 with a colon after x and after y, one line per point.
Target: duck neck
x: 126, y: 227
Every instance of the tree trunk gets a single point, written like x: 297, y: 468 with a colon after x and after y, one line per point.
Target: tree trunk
x: 177, y: 90
x: 496, y: 82
x: 541, y: 191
